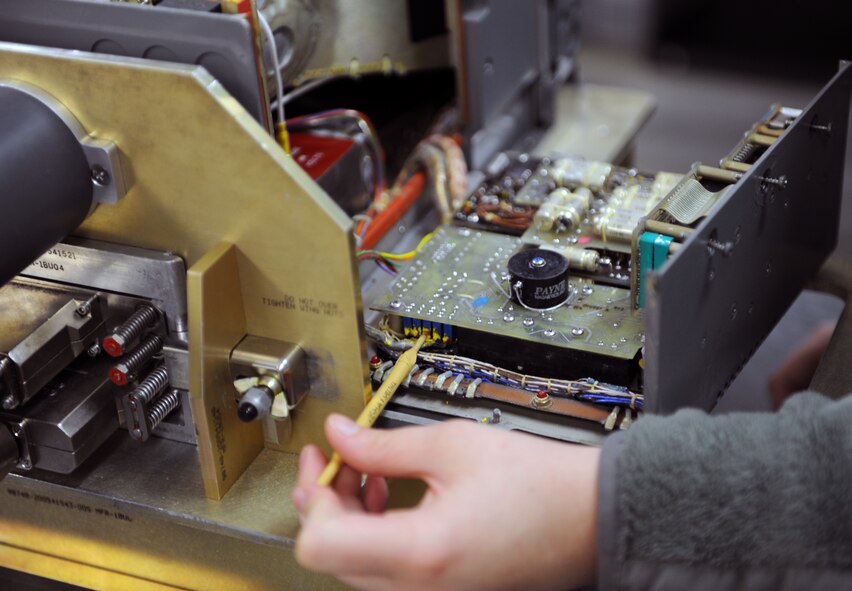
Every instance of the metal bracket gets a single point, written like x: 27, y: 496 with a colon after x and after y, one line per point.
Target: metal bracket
x: 109, y: 184
x: 269, y: 358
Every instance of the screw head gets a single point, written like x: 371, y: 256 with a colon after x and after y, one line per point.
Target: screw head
x: 538, y: 262
x: 100, y: 176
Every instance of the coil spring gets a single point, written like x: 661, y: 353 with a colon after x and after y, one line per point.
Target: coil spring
x: 145, y: 351
x: 130, y: 329
x: 151, y: 386
x: 161, y: 408
x: 745, y: 151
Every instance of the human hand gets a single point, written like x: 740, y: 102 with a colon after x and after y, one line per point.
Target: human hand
x: 798, y: 369
x: 502, y: 511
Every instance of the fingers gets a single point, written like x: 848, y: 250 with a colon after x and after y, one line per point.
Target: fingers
x: 375, y: 494
x: 348, y: 482
x: 350, y: 543
x: 797, y: 370
x: 311, y: 464
x: 408, y: 452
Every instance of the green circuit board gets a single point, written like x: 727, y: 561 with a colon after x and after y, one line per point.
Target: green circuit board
x: 458, y: 279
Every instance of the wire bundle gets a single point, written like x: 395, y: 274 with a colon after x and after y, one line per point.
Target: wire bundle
x: 390, y: 262
x: 585, y: 389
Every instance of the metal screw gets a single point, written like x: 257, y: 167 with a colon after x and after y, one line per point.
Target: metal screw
x: 9, y: 402
x: 94, y: 350
x: 496, y: 416
x: 714, y: 246
x: 823, y: 128
x: 85, y: 308
x: 778, y: 182
x: 100, y: 176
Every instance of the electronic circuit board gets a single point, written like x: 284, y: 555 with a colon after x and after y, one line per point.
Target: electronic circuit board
x: 458, y: 280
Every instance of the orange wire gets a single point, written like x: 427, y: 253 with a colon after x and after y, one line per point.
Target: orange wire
x: 408, y: 194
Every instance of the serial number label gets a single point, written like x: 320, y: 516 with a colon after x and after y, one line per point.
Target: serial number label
x: 305, y: 305
x: 54, y: 260
x: 49, y: 265
x: 62, y: 253
x: 70, y: 505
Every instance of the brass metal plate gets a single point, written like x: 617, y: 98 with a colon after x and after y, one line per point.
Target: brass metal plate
x: 226, y: 445
x: 203, y: 171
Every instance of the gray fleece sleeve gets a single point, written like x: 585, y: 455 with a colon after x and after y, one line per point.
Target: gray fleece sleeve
x: 739, y: 501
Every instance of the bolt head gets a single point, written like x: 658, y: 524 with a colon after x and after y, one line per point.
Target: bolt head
x: 119, y: 375
x: 114, y: 346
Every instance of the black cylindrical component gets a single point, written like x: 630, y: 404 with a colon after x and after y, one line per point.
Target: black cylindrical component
x: 538, y: 278
x: 45, y: 183
x: 255, y: 404
x: 8, y: 451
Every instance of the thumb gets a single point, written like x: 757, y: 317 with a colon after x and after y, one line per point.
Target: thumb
x: 407, y: 452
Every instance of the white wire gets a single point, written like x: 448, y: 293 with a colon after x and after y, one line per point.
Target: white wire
x: 276, y: 65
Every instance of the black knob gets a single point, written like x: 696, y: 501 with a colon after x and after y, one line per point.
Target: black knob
x: 247, y: 412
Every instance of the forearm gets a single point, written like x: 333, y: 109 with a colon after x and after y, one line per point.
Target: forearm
x: 742, y: 494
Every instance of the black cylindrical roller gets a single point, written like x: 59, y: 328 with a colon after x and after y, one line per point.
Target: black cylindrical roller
x: 45, y: 183
x: 538, y: 278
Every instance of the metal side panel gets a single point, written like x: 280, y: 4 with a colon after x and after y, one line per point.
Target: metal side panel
x: 707, y: 313
x: 221, y: 43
